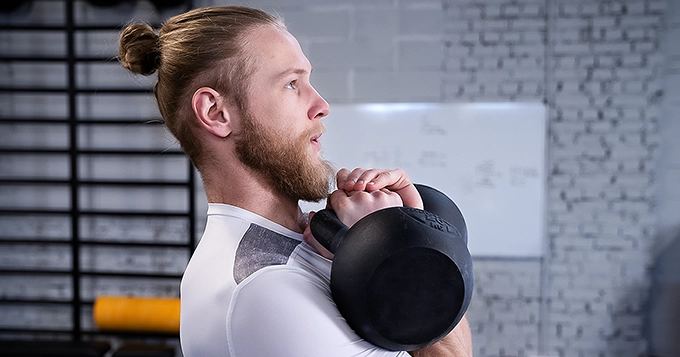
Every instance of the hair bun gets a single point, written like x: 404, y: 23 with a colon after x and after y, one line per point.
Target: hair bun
x: 139, y: 49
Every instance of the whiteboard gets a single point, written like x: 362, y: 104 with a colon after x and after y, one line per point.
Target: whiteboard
x: 489, y: 158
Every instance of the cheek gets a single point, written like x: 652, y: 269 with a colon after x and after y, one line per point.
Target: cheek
x: 282, y: 113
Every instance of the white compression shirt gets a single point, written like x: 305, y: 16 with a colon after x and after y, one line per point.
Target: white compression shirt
x: 254, y: 288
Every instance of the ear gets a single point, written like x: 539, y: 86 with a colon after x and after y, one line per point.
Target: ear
x: 211, y: 111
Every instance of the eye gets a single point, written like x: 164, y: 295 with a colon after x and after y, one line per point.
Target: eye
x: 291, y: 85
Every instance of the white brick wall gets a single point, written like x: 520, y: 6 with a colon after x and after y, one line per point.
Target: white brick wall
x: 601, y: 54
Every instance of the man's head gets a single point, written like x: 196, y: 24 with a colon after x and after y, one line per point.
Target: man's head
x: 248, y: 59
x: 202, y: 47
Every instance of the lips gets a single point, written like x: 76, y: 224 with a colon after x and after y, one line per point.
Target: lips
x: 315, y: 134
x: 315, y: 141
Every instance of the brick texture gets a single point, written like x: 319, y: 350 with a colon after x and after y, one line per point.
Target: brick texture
x: 601, y: 93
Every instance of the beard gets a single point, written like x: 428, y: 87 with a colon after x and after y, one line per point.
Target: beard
x: 284, y: 161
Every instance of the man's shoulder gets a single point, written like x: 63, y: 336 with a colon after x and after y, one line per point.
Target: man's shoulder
x: 259, y: 248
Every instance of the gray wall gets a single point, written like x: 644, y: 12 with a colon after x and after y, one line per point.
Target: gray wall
x: 607, y: 70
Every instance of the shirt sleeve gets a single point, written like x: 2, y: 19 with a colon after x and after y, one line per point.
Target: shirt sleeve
x: 284, y: 311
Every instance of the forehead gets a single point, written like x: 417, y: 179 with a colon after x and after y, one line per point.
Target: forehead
x: 274, y: 51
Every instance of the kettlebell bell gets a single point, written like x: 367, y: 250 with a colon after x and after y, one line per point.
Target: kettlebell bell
x: 401, y: 277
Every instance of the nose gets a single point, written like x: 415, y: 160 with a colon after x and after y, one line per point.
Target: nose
x: 319, y: 107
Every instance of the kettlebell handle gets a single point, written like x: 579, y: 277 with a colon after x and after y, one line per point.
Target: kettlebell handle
x: 328, y: 229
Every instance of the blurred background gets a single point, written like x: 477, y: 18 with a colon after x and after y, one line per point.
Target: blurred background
x: 96, y: 198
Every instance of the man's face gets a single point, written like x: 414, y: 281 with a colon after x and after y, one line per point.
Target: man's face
x: 279, y: 131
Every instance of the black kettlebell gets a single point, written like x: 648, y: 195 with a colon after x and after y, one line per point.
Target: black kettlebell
x: 401, y: 277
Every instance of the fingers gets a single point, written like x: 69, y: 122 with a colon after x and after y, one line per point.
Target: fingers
x: 355, y: 180
x: 354, y: 205
x: 372, y: 180
x: 394, y: 180
x: 341, y: 178
x: 411, y: 197
x: 361, y: 179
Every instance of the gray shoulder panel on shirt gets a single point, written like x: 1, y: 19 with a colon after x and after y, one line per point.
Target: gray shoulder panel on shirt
x: 259, y: 248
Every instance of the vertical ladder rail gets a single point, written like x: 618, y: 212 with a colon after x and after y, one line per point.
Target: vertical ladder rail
x: 74, y: 180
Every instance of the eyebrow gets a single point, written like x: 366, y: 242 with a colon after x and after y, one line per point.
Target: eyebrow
x: 295, y: 70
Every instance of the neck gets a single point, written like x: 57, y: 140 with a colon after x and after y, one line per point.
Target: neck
x: 240, y: 187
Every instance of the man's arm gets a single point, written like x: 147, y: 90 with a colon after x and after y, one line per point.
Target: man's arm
x: 458, y: 343
x: 284, y: 311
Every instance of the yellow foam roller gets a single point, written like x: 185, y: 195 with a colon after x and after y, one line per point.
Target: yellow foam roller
x: 144, y: 314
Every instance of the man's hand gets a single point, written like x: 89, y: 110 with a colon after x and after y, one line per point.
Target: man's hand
x: 355, y: 205
x: 372, y: 180
x: 364, y: 191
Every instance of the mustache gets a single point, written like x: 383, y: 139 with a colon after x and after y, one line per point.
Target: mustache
x: 315, y: 131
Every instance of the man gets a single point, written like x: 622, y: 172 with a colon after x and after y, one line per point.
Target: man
x: 233, y: 87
